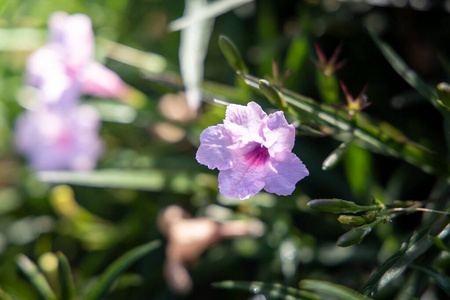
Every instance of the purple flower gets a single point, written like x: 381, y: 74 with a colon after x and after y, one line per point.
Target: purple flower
x: 252, y: 151
x: 65, y: 67
x: 59, y: 139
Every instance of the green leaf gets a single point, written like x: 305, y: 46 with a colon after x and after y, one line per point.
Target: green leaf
x: 328, y: 87
x: 335, y: 157
x: 4, y: 295
x: 140, y: 180
x: 406, y: 72
x: 36, y: 278
x: 232, y: 54
x: 117, y: 267
x: 358, y: 169
x: 65, y: 278
x: 331, y: 289
x: 397, y: 263
x: 380, y: 137
x: 442, y: 280
x: 273, y: 290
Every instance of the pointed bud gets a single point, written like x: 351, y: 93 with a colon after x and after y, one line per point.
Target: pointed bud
x: 334, y: 205
x: 272, y: 94
x: 354, y: 105
x: 370, y: 216
x: 354, y: 236
x: 352, y: 220
x: 335, y: 157
x: 443, y: 90
x: 232, y: 54
x: 328, y: 68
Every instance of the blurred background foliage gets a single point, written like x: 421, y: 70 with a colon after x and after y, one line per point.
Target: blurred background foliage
x: 150, y: 144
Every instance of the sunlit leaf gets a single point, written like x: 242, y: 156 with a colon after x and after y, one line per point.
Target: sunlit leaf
x: 4, y: 295
x: 141, y: 180
x: 376, y: 136
x: 331, y: 289
x: 36, y: 278
x: 117, y: 267
x: 272, y: 290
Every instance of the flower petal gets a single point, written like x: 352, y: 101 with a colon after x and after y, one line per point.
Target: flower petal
x: 242, y: 181
x: 278, y: 134
x: 244, y: 122
x: 98, y: 80
x: 282, y: 173
x: 74, y: 35
x: 213, y: 151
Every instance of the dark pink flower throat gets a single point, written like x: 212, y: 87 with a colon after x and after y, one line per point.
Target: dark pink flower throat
x: 257, y: 156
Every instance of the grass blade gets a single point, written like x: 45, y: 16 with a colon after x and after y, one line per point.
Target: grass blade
x: 442, y: 280
x: 118, y: 266
x: 35, y: 276
x: 380, y: 137
x: 65, y: 278
x: 405, y: 72
x: 274, y: 291
x: 331, y: 289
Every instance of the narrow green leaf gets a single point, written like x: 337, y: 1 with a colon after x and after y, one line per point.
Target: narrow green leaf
x: 232, y: 54
x: 4, y: 295
x: 141, y: 180
x: 376, y: 136
x: 273, y: 290
x: 328, y: 87
x: 36, y: 278
x: 335, y: 157
x: 358, y: 170
x: 65, y: 278
x: 331, y: 289
x: 442, y: 280
x: 406, y: 72
x: 117, y: 267
x: 398, y: 262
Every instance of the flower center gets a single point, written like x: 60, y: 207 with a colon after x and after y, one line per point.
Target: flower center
x: 257, y: 156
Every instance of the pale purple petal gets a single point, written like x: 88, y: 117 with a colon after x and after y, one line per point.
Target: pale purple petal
x: 74, y: 36
x: 244, y: 122
x: 242, y: 181
x: 57, y: 140
x: 213, y: 151
x: 283, y: 171
x: 279, y: 136
x: 97, y: 80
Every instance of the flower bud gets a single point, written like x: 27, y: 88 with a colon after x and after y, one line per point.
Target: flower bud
x: 443, y: 90
x: 334, y: 205
x: 272, y: 94
x: 335, y: 157
x: 354, y: 236
x: 352, y: 220
x: 232, y: 54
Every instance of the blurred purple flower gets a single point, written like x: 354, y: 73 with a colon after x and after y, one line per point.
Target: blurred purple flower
x: 59, y: 139
x: 64, y: 68
x: 252, y: 151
